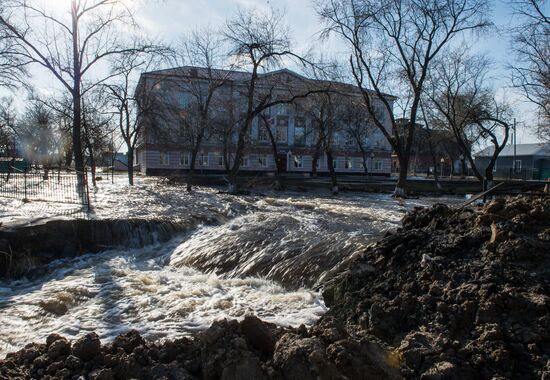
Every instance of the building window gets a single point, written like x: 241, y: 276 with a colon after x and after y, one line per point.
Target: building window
x: 263, y: 134
x: 335, y: 163
x: 282, y: 129
x: 281, y: 109
x: 262, y: 161
x: 282, y: 134
x: 299, y: 131
x: 349, y: 163
x: 245, y: 162
x: 298, y: 162
x: 184, y: 99
x: 216, y: 159
x: 185, y: 159
x: 518, y: 166
x: 378, y: 165
x: 163, y: 158
x: 203, y: 160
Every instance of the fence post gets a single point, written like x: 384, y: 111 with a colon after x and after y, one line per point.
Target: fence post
x: 87, y: 190
x: 25, y: 199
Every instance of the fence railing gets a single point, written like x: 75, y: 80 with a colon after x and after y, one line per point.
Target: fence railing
x: 45, y: 185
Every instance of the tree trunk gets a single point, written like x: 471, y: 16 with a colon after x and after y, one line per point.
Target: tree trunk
x: 316, y: 158
x: 434, y: 161
x: 365, y: 161
x: 93, y: 168
x: 489, y: 173
x: 77, y: 144
x: 77, y: 102
x: 130, y: 166
x: 314, y: 164
x: 192, y: 165
x: 68, y: 157
x: 468, y: 156
x: 332, y: 172
x: 239, y: 153
x: 278, y: 185
x: 401, y: 186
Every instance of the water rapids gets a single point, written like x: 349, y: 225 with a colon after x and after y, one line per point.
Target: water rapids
x: 263, y: 262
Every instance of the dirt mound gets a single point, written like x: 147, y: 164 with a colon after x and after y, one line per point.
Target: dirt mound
x: 229, y: 350
x: 458, y: 293
x: 453, y: 294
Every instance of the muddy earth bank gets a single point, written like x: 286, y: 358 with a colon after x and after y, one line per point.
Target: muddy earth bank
x: 453, y: 294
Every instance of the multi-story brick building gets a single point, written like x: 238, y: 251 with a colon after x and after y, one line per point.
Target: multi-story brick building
x: 293, y: 127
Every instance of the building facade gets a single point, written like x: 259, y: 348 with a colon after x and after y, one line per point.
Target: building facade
x: 526, y: 161
x: 165, y: 146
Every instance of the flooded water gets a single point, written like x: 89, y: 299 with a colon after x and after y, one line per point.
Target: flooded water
x: 112, y: 292
x: 294, y: 241
x: 262, y: 259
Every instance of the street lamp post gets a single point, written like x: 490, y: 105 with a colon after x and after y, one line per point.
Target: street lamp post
x: 371, y: 163
x: 442, y: 162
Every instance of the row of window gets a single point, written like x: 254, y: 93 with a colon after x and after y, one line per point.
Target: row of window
x: 280, y: 135
x: 298, y: 163
x: 210, y: 159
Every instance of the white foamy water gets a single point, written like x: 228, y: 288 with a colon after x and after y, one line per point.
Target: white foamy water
x: 113, y: 292
x: 295, y: 241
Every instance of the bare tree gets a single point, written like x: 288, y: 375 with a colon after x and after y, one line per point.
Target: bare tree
x: 61, y: 105
x: 131, y: 106
x: 224, y: 126
x: 259, y: 41
x: 12, y: 68
x: 457, y: 88
x: 97, y: 128
x: 324, y: 110
x: 40, y: 134
x: 9, y: 134
x: 393, y: 44
x: 531, y: 72
x: 358, y: 126
x: 68, y: 47
x: 201, y: 55
x: 491, y: 117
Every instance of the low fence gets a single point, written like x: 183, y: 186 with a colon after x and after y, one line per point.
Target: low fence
x: 45, y: 185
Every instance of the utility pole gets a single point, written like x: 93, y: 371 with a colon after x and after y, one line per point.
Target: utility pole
x: 113, y: 156
x: 515, y: 148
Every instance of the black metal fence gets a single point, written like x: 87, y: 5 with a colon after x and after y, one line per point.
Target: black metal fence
x: 45, y: 185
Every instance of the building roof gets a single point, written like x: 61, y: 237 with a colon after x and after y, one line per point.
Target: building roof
x: 538, y: 149
x: 237, y: 76
x: 202, y: 73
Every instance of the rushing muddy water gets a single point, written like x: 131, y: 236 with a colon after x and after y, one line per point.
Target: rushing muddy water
x: 261, y: 261
x: 112, y: 292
